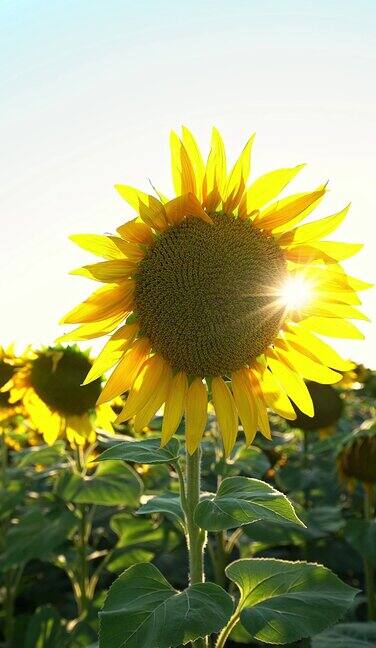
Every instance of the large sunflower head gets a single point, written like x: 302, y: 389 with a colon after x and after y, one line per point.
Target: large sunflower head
x: 218, y: 292
x: 50, y: 387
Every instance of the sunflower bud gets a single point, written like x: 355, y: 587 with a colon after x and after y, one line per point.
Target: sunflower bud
x: 357, y: 459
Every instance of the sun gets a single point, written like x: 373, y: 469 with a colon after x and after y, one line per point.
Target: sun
x: 192, y: 298
x: 296, y: 293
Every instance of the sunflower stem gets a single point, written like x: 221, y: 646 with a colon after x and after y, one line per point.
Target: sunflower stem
x: 196, y: 537
x: 369, y: 572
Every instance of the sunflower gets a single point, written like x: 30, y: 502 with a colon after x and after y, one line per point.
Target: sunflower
x: 50, y: 388
x: 220, y: 294
x: 9, y: 363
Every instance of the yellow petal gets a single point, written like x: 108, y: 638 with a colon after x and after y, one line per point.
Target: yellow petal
x: 93, y: 330
x: 291, y: 381
x: 107, y: 271
x: 245, y: 403
x: 323, y: 252
x: 148, y: 207
x: 184, y: 206
x: 265, y: 188
x: 238, y: 178
x: 156, y: 400
x: 195, y: 158
x: 174, y: 408
x: 135, y: 231
x: 226, y: 412
x: 103, y: 246
x: 196, y: 406
x: 332, y: 327
x: 104, y: 303
x: 333, y: 309
x: 313, y: 231
x: 105, y: 417
x: 215, y: 174
x: 307, y: 343
x: 182, y: 170
x: 288, y: 210
x: 308, y: 368
x: 113, y: 350
x: 144, y: 385
x: 125, y: 373
x: 273, y: 393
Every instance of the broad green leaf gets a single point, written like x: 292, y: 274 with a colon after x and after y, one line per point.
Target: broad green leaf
x: 138, y: 540
x: 45, y: 629
x: 347, y: 635
x: 148, y: 451
x: 252, y: 462
x: 44, y: 455
x: 168, y: 504
x: 10, y: 497
x: 37, y: 535
x: 282, y: 602
x: 241, y: 500
x: 361, y: 534
x: 113, y: 483
x: 143, y: 609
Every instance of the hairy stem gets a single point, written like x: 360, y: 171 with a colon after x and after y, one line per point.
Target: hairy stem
x: 369, y: 572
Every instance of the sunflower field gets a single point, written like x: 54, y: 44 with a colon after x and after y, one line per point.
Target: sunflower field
x: 208, y: 479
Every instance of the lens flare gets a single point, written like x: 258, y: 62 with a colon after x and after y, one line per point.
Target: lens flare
x: 296, y: 293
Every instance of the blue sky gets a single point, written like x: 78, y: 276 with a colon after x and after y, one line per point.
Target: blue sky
x: 90, y: 90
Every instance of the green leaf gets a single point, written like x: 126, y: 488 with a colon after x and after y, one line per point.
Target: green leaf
x: 148, y: 451
x: 143, y: 609
x: 45, y: 629
x: 37, y: 535
x: 10, y: 497
x: 347, y: 635
x: 45, y: 455
x: 361, y: 534
x: 113, y: 483
x: 252, y: 462
x: 168, y: 504
x: 138, y: 539
x: 241, y: 500
x: 282, y: 602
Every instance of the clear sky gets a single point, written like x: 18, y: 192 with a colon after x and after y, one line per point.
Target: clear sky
x: 90, y: 90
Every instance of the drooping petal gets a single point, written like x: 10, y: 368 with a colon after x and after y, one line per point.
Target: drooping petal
x: 308, y: 368
x: 144, y: 385
x: 174, y: 408
x: 245, y: 403
x: 226, y: 412
x: 265, y: 188
x: 104, y: 303
x: 126, y: 371
x: 307, y: 343
x: 105, y: 417
x: 238, y: 178
x: 196, y: 405
x: 156, y: 400
x: 112, y: 351
x: 291, y: 381
x: 273, y: 393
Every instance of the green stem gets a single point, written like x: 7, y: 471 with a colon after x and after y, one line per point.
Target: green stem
x: 196, y: 537
x: 4, y: 459
x: 83, y: 562
x: 369, y: 572
x: 224, y: 635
